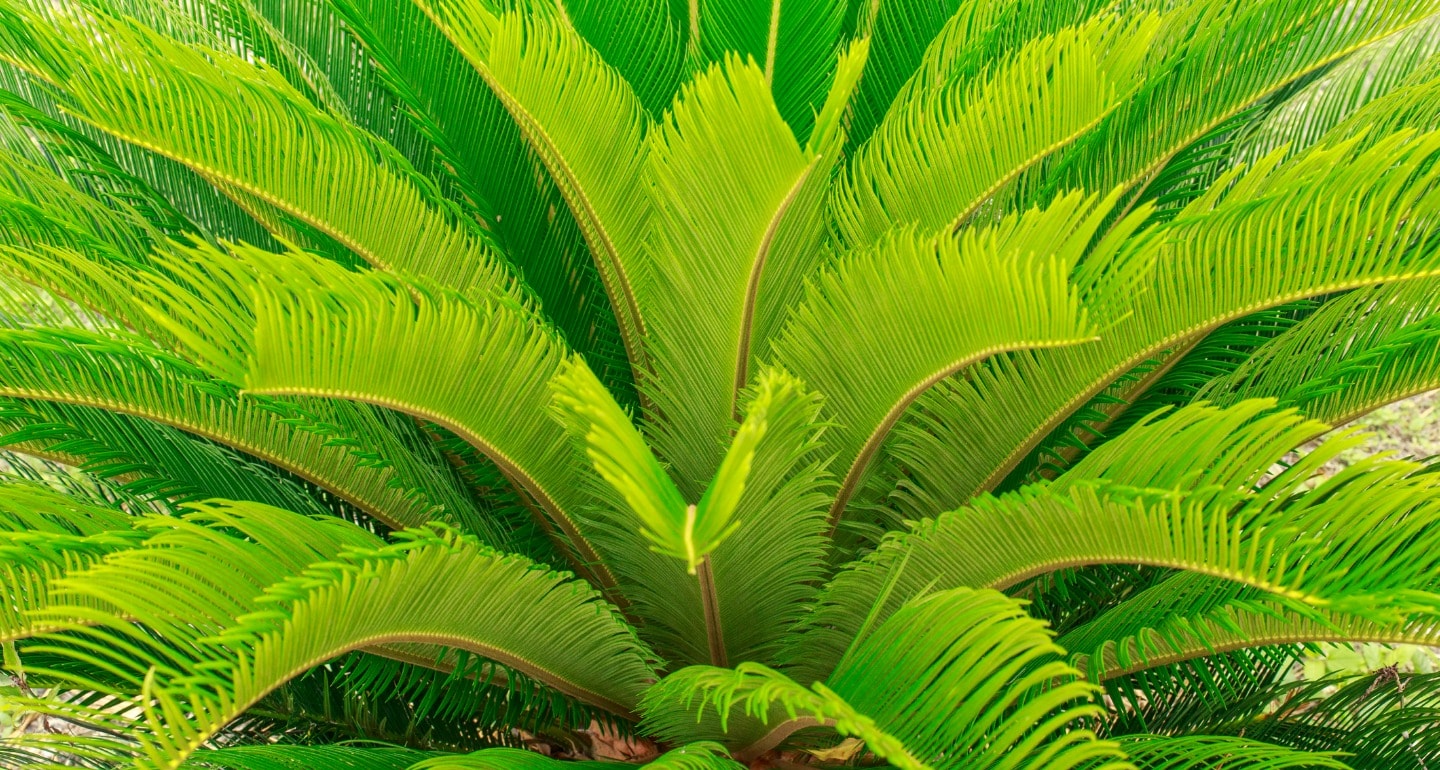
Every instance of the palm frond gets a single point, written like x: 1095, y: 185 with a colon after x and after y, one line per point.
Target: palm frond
x: 694, y: 756
x: 1161, y: 752
x: 735, y: 214
x: 303, y: 758
x: 996, y: 542
x: 468, y: 126
x: 1372, y: 72
x: 944, y: 149
x: 211, y: 96
x: 429, y: 354
x: 877, y: 299
x: 1252, y: 243
x: 937, y: 640
x: 1210, y: 61
x: 1358, y: 352
x: 554, y: 85
x: 226, y: 647
x: 86, y: 369
x: 793, y: 44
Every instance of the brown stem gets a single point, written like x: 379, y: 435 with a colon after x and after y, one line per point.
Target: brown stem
x: 714, y: 634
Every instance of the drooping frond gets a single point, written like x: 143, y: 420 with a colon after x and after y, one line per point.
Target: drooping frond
x: 1200, y: 752
x: 1256, y: 241
x: 221, y: 649
x: 44, y: 535
x: 1197, y: 515
x: 1370, y: 73
x: 1194, y: 616
x: 583, y: 121
x: 959, y: 37
x: 694, y: 756
x: 125, y: 376
x: 1357, y: 353
x: 211, y: 98
x: 430, y: 355
x: 153, y: 462
x: 892, y: 691
x: 946, y: 148
x: 469, y: 128
x: 855, y: 337
x: 1210, y: 61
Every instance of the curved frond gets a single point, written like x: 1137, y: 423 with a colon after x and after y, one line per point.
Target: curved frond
x: 303, y: 758
x: 855, y: 336
x: 1327, y: 549
x: 432, y: 355
x: 946, y: 148
x: 218, y: 109
x: 584, y: 122
x: 1372, y: 72
x: 894, y: 691
x: 156, y: 463
x: 694, y: 756
x: 301, y: 591
x: 1194, y: 616
x: 1200, y: 752
x: 1358, y: 352
x: 468, y: 126
x: 1336, y: 218
x: 956, y: 37
x: 128, y: 377
x: 1210, y: 61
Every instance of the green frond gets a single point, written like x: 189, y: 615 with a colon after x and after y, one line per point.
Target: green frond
x: 1413, y: 104
x: 85, y: 369
x: 854, y: 339
x: 734, y: 214
x: 694, y: 756
x: 128, y: 179
x: 303, y: 758
x: 289, y: 579
x: 583, y: 121
x: 1254, y: 242
x: 644, y: 43
x: 468, y: 126
x: 768, y: 570
x: 153, y: 462
x: 1372, y: 72
x: 431, y: 354
x: 210, y: 96
x: 1210, y: 61
x: 1195, y: 514
x: 604, y: 433
x: 633, y: 491
x: 793, y: 43
x: 1156, y: 385
x: 1192, y: 616
x: 891, y: 691
x: 1194, y: 752
x: 1356, y: 353
x: 43, y: 536
x: 957, y: 37
x: 944, y: 149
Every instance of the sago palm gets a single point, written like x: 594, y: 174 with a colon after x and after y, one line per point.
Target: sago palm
x: 393, y: 385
